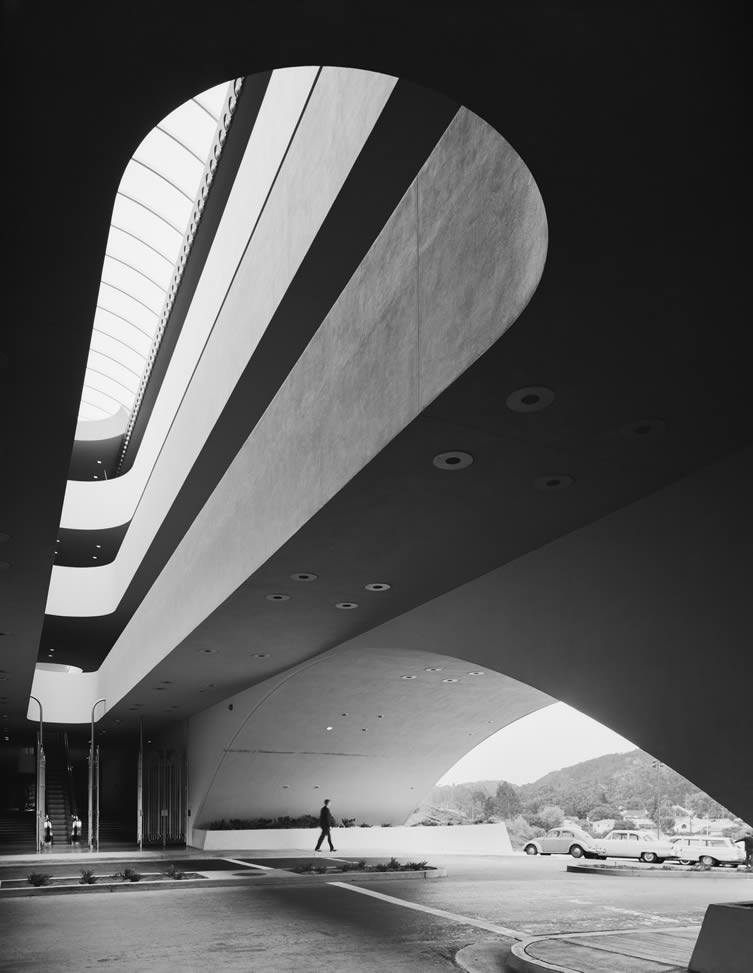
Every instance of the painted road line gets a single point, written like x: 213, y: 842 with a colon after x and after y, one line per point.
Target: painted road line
x: 237, y: 861
x: 454, y: 917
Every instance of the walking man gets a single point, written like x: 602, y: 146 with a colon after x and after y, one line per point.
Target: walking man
x: 747, y: 841
x: 326, y: 821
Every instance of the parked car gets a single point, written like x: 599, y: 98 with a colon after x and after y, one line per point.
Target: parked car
x: 634, y: 844
x: 566, y: 840
x: 708, y: 850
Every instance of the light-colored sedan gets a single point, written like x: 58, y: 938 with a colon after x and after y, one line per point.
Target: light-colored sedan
x: 566, y: 840
x: 634, y: 844
x: 708, y: 850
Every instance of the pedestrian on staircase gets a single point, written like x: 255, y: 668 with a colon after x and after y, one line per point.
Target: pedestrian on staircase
x: 75, y: 829
x: 47, y: 830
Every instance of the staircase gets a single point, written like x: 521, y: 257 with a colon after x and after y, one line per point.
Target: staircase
x: 18, y: 831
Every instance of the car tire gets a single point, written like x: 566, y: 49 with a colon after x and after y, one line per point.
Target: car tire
x: 577, y: 852
x: 707, y: 860
x: 531, y: 850
x: 686, y: 861
x: 649, y: 856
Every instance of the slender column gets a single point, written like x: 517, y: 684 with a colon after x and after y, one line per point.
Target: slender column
x: 140, y: 791
x: 91, y: 777
x: 40, y: 795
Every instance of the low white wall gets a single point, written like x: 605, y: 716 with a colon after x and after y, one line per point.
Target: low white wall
x: 477, y: 839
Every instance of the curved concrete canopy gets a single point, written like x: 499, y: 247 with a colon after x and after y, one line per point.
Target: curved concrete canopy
x: 348, y: 726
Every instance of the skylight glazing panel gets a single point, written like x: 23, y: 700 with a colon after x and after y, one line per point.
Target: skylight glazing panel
x: 213, y: 99
x: 90, y: 413
x: 136, y: 284
x: 158, y: 195
x: 123, y: 247
x: 107, y: 365
x: 154, y: 204
x: 192, y: 126
x: 128, y: 310
x: 165, y: 155
x: 106, y: 323
x: 104, y: 344
x: 135, y: 219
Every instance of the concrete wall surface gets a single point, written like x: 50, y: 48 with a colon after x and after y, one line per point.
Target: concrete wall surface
x: 472, y: 839
x: 725, y: 942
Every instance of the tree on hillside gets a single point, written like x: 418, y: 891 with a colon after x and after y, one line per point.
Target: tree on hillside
x: 603, y: 811
x: 506, y: 801
x: 704, y: 806
x: 549, y: 816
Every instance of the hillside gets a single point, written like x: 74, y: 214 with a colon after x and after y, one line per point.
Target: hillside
x: 628, y: 780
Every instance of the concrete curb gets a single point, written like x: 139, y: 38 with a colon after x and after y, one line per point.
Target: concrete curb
x: 659, y: 871
x: 213, y: 883
x: 484, y: 957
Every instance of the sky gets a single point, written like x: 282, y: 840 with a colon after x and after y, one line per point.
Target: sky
x: 554, y: 737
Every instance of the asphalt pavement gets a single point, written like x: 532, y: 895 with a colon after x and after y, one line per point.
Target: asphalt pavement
x: 338, y: 927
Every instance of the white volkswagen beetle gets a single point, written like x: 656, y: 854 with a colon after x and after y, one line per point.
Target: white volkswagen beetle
x: 634, y: 844
x: 565, y: 840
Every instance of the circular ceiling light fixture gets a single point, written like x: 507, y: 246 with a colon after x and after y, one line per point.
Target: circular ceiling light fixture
x: 455, y: 459
x: 380, y: 716
x: 643, y: 429
x: 553, y: 481
x: 476, y: 672
x: 378, y: 586
x: 530, y: 398
x: 343, y: 714
x: 207, y: 651
x: 449, y: 680
x: 346, y: 605
x: 304, y: 576
x: 99, y: 462
x: 328, y: 728
x: 277, y: 597
x: 261, y: 655
x: 407, y: 677
x: 98, y: 546
x: 432, y: 669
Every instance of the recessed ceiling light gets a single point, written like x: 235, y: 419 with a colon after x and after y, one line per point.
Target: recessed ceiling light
x: 378, y: 586
x: 261, y: 655
x: 476, y: 673
x: 304, y: 576
x: 211, y: 685
x: 407, y: 677
x: 94, y: 557
x: 346, y: 605
x: 207, y: 651
x: 432, y: 669
x: 159, y: 689
x: 167, y: 682
x: 316, y: 787
x: 553, y: 481
x: 364, y: 729
x: 95, y: 477
x: 643, y: 429
x: 330, y: 728
x: 98, y: 546
x: 277, y: 597
x: 285, y: 786
x: 455, y: 459
x: 380, y: 716
x: 99, y: 462
x: 530, y: 398
x: 343, y: 714
x: 449, y: 680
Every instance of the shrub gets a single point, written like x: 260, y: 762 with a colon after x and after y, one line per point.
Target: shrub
x: 364, y: 825
x: 304, y: 869
x: 381, y: 868
x: 87, y: 877
x: 393, y: 863
x: 129, y: 875
x: 320, y: 869
x: 261, y: 824
x: 38, y: 878
x: 347, y: 822
x: 413, y: 866
x: 386, y: 825
x: 361, y: 864
x: 173, y: 872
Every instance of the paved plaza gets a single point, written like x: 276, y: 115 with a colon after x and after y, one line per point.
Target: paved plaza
x: 310, y: 925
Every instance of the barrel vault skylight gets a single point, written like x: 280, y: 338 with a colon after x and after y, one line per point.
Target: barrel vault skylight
x: 154, y: 218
